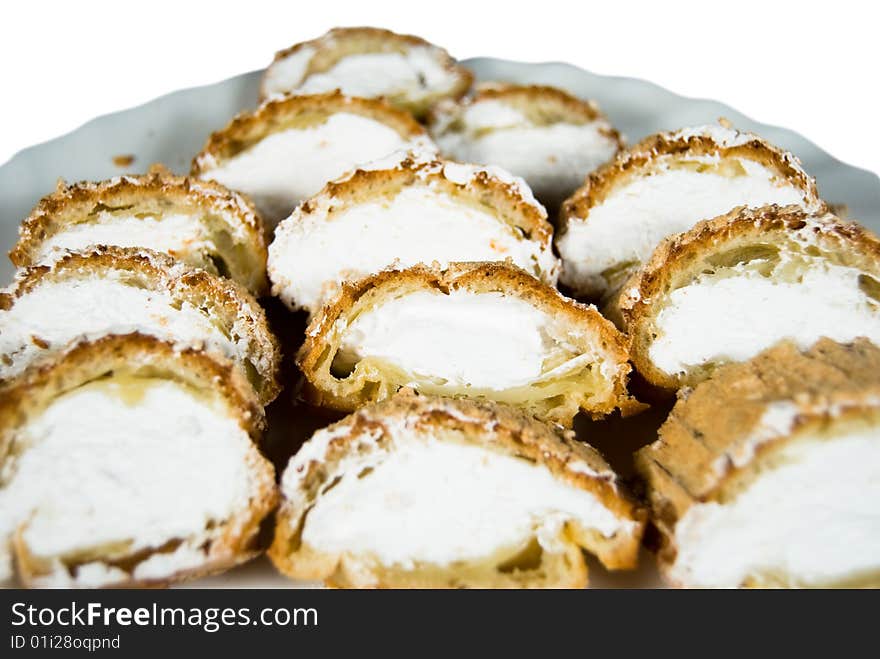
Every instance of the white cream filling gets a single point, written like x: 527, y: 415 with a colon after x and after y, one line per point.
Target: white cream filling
x: 285, y: 74
x: 733, y: 318
x: 436, y: 502
x: 286, y: 167
x: 413, y: 75
x: 174, y: 233
x: 491, y: 114
x: 133, y: 462
x: 632, y: 221
x: 460, y: 339
x: 814, y: 519
x: 311, y: 256
x: 553, y: 159
x: 57, y: 313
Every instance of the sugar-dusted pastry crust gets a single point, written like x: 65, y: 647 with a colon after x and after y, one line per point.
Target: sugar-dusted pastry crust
x: 596, y: 383
x: 715, y: 150
x: 773, y: 238
x: 729, y: 432
x: 373, y: 434
x: 436, y: 77
x: 143, y: 357
x: 235, y: 245
x: 455, y: 192
x: 543, y: 105
x: 226, y: 305
x: 542, y: 133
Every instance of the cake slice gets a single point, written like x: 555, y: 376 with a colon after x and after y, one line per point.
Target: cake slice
x: 198, y: 222
x: 128, y: 461
x: 735, y: 285
x: 414, y: 211
x: 768, y: 474
x: 478, y: 330
x: 664, y: 185
x: 114, y: 290
x: 409, y: 72
x: 289, y: 147
x: 429, y: 492
x: 549, y: 137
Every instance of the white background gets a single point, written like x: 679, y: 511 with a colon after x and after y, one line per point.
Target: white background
x: 809, y: 66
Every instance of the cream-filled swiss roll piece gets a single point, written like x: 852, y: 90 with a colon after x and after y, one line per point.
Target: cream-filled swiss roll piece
x: 735, y: 285
x: 431, y: 492
x: 129, y: 461
x: 114, y: 290
x: 478, y: 330
x: 409, y: 72
x: 549, y: 137
x: 662, y: 186
x: 415, y: 211
x: 768, y: 474
x: 289, y: 147
x: 199, y: 222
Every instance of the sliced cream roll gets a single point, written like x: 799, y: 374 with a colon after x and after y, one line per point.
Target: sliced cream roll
x: 409, y: 72
x: 733, y: 286
x: 198, y: 222
x: 662, y: 186
x: 288, y: 148
x: 129, y: 461
x: 549, y: 137
x: 768, y: 474
x: 416, y: 212
x: 478, y: 330
x: 430, y: 492
x: 113, y: 290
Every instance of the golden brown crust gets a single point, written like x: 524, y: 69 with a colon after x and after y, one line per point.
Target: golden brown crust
x: 712, y: 446
x: 342, y: 42
x: 157, y: 192
x: 571, y: 108
x: 679, y: 259
x: 145, y: 356
x: 497, y: 428
x: 224, y: 300
x: 277, y: 114
x: 541, y: 104
x: 641, y: 156
x: 316, y: 355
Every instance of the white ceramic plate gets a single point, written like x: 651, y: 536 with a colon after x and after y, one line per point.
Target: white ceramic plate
x: 173, y: 128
